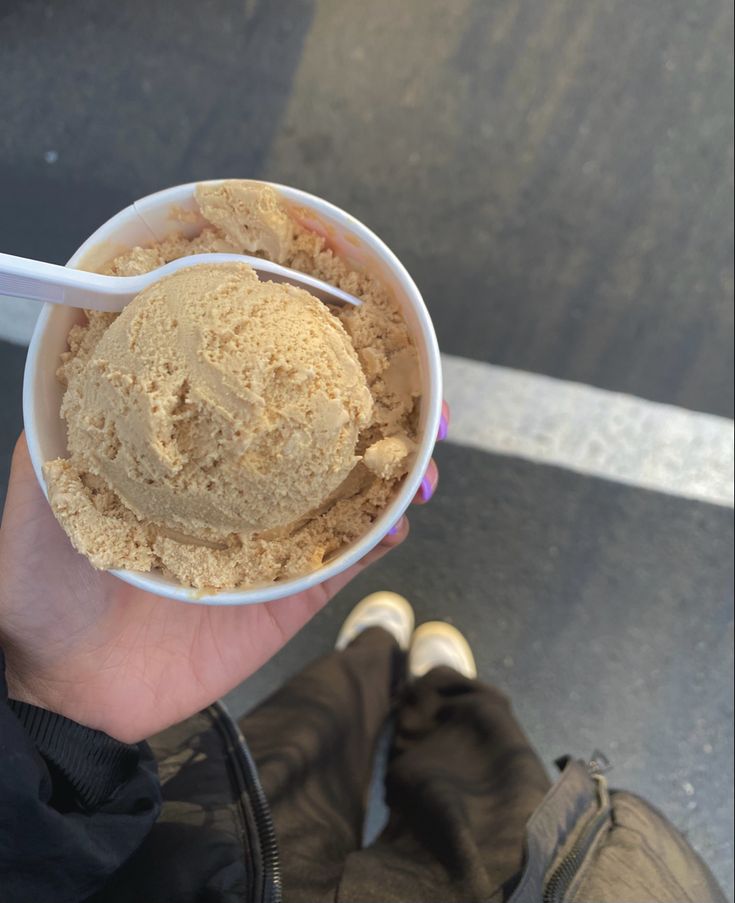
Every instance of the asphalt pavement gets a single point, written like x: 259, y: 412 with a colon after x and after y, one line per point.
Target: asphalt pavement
x: 558, y: 179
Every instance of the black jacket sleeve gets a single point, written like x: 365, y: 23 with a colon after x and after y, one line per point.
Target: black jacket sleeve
x: 74, y: 804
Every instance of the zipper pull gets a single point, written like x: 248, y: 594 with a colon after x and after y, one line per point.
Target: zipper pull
x: 599, y: 764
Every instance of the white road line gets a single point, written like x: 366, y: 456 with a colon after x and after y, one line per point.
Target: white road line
x: 550, y: 421
x: 591, y: 431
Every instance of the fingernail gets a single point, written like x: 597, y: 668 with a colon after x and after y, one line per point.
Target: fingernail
x: 443, y: 429
x: 395, y: 529
x: 426, y: 490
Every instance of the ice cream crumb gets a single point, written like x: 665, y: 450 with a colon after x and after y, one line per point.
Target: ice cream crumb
x: 390, y: 457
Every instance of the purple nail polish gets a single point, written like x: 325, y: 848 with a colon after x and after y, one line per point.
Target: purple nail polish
x: 443, y: 429
x: 394, y: 529
x: 426, y: 490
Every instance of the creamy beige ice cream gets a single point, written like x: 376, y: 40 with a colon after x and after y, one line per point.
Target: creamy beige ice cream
x: 217, y: 403
x: 230, y: 430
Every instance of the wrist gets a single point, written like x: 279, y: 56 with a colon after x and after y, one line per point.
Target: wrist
x: 58, y: 700
x: 18, y: 691
x: 18, y: 686
x: 31, y: 692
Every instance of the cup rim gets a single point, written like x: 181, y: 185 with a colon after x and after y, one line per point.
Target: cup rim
x: 432, y: 398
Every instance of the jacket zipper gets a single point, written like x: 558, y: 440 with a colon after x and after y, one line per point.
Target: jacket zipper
x: 272, y: 890
x: 567, y: 870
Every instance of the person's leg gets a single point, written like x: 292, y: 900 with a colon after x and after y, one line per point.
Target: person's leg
x: 461, y: 784
x: 313, y: 743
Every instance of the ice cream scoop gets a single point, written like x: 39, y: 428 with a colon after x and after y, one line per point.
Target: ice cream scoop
x: 218, y: 403
x: 35, y: 280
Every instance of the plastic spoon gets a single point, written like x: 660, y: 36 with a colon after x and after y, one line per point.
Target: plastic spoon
x: 34, y: 280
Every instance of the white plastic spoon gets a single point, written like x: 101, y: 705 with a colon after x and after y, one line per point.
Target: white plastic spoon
x: 34, y: 280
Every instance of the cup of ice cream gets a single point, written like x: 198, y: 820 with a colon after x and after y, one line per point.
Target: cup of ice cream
x: 228, y: 440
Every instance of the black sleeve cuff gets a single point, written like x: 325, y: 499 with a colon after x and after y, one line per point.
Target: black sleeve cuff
x: 94, y: 764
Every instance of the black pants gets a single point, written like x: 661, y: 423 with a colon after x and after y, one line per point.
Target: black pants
x: 462, y: 780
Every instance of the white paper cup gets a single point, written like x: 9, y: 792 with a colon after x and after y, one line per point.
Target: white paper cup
x: 158, y: 215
